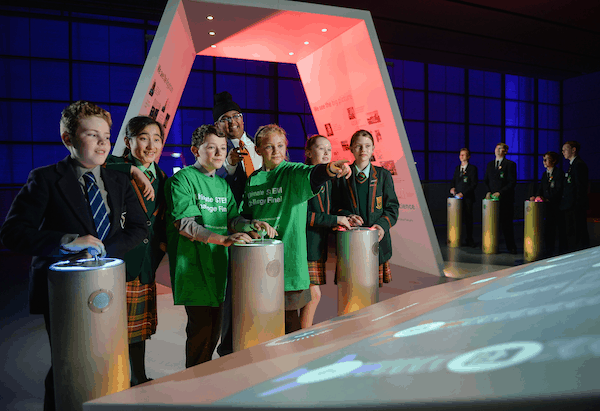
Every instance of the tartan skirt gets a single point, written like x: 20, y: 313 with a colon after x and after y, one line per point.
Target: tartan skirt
x: 385, y: 273
x: 142, y: 315
x: 317, y: 270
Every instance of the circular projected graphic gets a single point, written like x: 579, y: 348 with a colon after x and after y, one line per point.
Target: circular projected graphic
x: 329, y: 372
x: 419, y: 329
x: 495, y: 357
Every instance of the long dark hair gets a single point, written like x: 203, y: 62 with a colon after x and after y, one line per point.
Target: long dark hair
x: 136, y: 125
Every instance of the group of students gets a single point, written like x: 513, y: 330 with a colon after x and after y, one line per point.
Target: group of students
x: 93, y: 203
x: 565, y: 195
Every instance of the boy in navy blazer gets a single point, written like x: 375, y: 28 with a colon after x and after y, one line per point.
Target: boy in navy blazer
x: 51, y: 217
x: 501, y: 180
x: 575, y: 202
x: 464, y: 183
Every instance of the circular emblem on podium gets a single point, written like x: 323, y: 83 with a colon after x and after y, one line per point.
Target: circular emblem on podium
x: 527, y: 209
x: 376, y: 248
x: 274, y: 268
x: 100, y: 301
x: 449, y: 204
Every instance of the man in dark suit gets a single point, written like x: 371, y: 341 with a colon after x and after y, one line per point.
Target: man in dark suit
x: 242, y: 159
x: 52, y: 217
x: 574, y: 202
x: 464, y: 183
x: 501, y: 180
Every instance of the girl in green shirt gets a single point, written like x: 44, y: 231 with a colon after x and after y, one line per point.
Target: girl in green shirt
x: 277, y: 194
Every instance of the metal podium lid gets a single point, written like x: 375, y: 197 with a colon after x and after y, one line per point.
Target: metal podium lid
x: 259, y: 243
x: 86, y: 264
x: 356, y: 229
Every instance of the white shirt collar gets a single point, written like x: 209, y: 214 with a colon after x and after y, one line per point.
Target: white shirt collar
x: 244, y: 138
x: 201, y: 168
x: 365, y: 170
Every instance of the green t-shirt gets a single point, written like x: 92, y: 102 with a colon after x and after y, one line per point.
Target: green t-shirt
x: 279, y: 197
x: 198, y: 270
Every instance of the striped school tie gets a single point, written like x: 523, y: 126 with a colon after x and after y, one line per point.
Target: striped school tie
x: 97, y: 206
x: 150, y: 176
x: 361, y: 177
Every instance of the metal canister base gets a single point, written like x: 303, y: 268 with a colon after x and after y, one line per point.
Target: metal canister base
x: 490, y: 217
x: 532, y: 239
x: 358, y: 269
x: 257, y: 293
x: 88, y: 320
x: 454, y: 221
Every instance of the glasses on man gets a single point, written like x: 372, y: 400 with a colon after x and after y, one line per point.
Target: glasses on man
x: 228, y: 120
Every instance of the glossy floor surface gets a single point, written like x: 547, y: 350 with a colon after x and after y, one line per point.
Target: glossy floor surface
x: 25, y: 350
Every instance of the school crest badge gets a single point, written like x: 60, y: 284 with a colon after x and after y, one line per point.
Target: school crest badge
x: 379, y: 204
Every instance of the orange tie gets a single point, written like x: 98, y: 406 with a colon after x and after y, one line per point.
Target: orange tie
x: 248, y: 165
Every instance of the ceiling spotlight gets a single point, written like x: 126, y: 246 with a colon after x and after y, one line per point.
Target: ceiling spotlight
x: 291, y: 53
x: 306, y: 42
x: 175, y: 155
x: 323, y: 30
x: 214, y: 46
x: 211, y: 33
x: 209, y: 17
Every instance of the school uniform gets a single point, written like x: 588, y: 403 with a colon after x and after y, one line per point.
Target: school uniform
x: 502, y: 178
x: 51, y: 206
x: 143, y: 261
x: 320, y: 221
x: 465, y: 181
x: 551, y: 189
x: 375, y: 200
x: 574, y: 205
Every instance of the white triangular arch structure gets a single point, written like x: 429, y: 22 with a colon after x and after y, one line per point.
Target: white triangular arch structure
x: 343, y: 72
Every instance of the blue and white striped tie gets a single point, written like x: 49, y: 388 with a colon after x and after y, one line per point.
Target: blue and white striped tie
x: 97, y: 206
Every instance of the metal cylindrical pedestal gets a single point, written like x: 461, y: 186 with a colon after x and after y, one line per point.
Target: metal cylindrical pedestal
x: 358, y: 269
x: 490, y: 217
x: 88, y: 327
x: 454, y: 221
x: 257, y: 293
x: 532, y: 243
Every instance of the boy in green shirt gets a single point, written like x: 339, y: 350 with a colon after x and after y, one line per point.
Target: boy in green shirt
x: 201, y: 211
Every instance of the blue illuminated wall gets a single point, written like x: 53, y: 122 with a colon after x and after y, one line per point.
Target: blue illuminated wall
x: 447, y: 108
x: 49, y: 59
x: 581, y: 114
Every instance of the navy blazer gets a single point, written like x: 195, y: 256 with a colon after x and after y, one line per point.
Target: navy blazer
x: 466, y: 182
x: 52, y: 204
x: 575, y: 193
x: 502, y: 180
x: 551, y: 187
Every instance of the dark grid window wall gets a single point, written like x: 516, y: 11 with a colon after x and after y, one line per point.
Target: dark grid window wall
x: 446, y: 108
x: 49, y: 59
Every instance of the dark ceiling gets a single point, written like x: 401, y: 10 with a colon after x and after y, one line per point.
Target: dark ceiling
x: 550, y: 39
